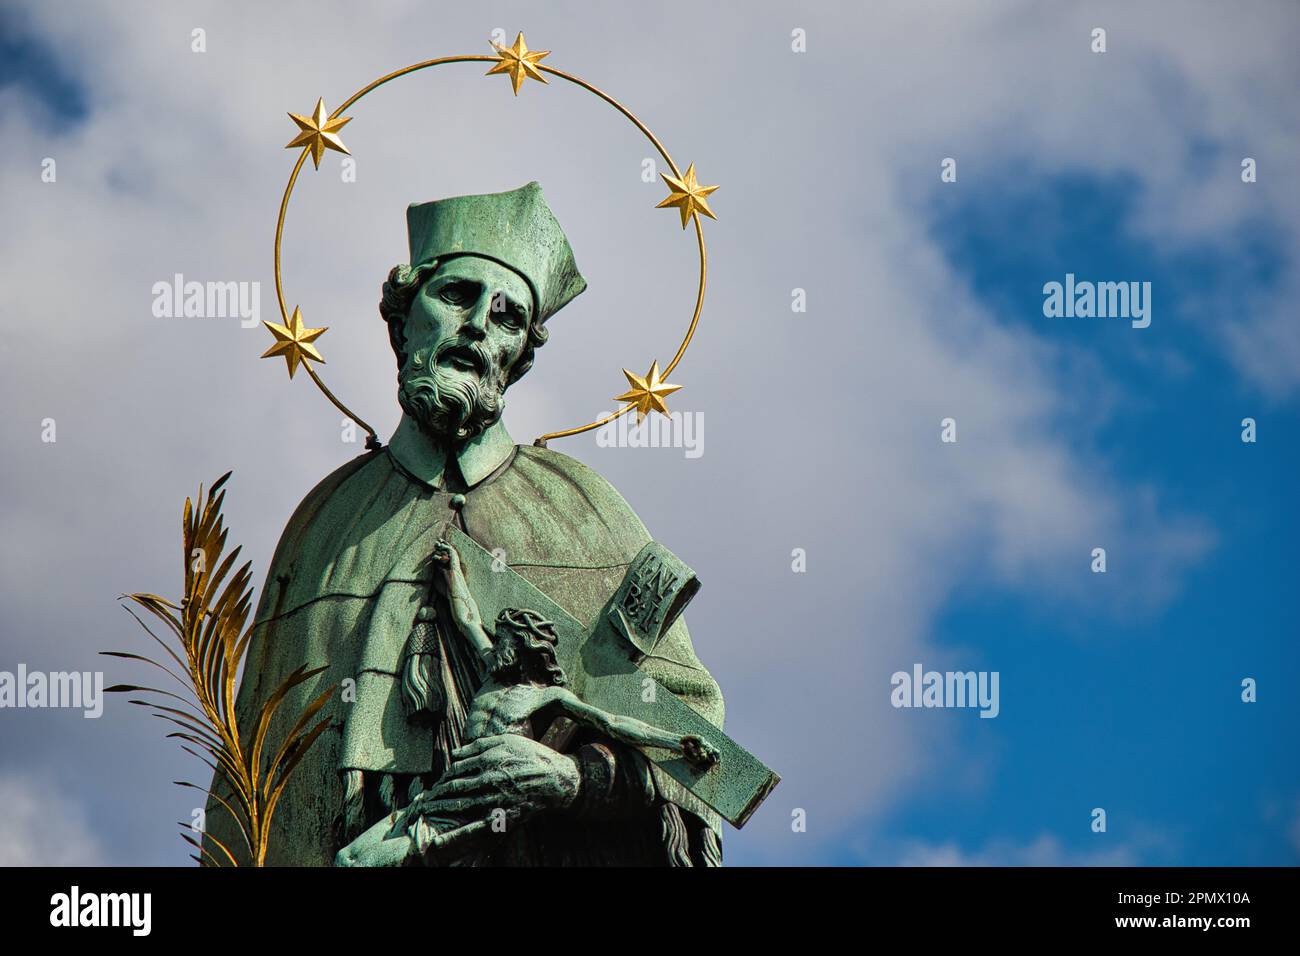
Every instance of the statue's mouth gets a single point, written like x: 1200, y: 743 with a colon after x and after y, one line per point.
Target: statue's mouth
x: 464, y: 357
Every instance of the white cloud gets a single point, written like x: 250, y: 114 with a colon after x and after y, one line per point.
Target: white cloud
x: 1043, y: 850
x: 42, y: 826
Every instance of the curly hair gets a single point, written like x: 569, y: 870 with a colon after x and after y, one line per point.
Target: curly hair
x: 404, y: 284
x: 525, y: 649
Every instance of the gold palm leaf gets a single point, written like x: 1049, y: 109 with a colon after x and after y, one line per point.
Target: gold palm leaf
x: 209, y: 625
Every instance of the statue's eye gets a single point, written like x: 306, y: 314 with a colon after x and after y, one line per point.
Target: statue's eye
x: 455, y: 293
x: 511, y: 319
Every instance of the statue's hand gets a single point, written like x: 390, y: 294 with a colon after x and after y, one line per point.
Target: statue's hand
x: 509, y: 772
x: 699, y: 751
x: 446, y: 555
x: 384, y: 844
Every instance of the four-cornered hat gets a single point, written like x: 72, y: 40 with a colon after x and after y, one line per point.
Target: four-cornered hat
x: 515, y: 229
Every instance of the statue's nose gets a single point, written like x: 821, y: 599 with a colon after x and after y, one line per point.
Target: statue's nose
x: 475, y: 325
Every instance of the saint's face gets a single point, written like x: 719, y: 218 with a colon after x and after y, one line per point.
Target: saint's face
x: 471, y: 318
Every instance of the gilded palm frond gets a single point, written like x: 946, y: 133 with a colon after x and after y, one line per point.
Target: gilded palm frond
x: 211, y: 626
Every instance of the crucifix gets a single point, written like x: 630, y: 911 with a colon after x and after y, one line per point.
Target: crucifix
x: 601, y: 663
x: 543, y: 660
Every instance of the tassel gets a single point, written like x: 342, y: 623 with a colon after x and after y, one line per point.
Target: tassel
x: 421, y: 665
x: 387, y: 788
x: 673, y: 833
x: 354, y: 804
x: 710, y: 847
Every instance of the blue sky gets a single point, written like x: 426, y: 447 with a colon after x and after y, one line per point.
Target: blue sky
x: 1139, y: 714
x: 1119, y: 691
x: 27, y: 63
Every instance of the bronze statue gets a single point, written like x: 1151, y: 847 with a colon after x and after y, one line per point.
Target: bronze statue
x: 353, y: 590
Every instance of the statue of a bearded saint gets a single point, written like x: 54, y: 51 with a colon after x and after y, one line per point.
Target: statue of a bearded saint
x: 353, y: 585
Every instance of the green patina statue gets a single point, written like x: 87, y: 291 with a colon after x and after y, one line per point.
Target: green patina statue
x: 523, y: 680
x: 554, y: 740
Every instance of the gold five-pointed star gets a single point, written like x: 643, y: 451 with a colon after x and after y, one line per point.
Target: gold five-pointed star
x: 647, y: 393
x: 687, y: 195
x: 319, y: 132
x: 518, y: 61
x: 294, y: 342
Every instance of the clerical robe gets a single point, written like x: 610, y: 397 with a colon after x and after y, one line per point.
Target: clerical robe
x: 350, y: 573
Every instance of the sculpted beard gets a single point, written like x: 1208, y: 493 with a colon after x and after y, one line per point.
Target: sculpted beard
x: 447, y: 403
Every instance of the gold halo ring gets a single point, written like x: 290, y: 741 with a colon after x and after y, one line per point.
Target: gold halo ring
x: 319, y: 132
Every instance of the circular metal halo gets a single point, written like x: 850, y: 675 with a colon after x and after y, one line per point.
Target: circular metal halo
x: 373, y: 439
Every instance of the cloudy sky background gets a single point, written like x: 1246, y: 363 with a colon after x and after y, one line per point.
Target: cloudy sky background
x: 821, y: 430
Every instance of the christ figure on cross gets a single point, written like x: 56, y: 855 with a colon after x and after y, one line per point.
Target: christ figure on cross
x: 523, y: 680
